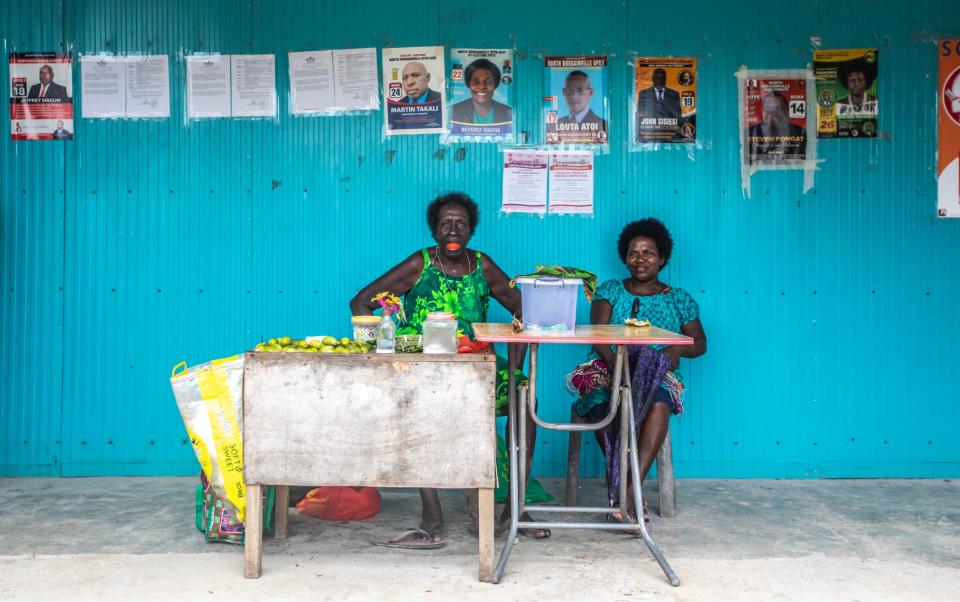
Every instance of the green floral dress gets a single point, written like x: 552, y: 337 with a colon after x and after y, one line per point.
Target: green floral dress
x: 467, y: 297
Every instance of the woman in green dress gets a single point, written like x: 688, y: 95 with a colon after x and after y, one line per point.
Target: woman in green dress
x: 452, y: 278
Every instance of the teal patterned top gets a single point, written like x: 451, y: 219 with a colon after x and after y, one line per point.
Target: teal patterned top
x: 669, y: 310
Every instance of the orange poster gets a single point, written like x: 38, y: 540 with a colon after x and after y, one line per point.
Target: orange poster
x: 948, y: 130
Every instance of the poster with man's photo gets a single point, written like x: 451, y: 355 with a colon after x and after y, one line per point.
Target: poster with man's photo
x: 575, y: 103
x: 846, y: 93
x: 775, y: 118
x: 41, y: 96
x: 481, y: 93
x: 665, y: 97
x: 413, y: 90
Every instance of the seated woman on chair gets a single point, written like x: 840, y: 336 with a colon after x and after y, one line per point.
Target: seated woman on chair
x: 644, y: 247
x: 452, y: 278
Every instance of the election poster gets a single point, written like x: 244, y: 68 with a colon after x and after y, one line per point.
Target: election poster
x: 481, y: 94
x: 846, y: 93
x: 948, y: 130
x: 665, y: 97
x: 775, y: 118
x: 414, y: 91
x: 575, y: 103
x: 41, y: 96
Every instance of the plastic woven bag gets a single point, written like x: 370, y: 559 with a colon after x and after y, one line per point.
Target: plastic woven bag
x: 215, y: 520
x: 209, y: 397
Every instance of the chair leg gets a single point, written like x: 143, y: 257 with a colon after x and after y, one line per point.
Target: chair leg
x: 666, y: 485
x: 573, y: 462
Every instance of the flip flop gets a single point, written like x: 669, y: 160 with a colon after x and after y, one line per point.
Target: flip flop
x: 504, y: 526
x: 401, y: 540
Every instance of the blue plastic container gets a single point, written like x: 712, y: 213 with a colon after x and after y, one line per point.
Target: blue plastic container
x: 549, y: 304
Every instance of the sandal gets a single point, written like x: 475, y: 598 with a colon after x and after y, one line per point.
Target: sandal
x: 412, y: 539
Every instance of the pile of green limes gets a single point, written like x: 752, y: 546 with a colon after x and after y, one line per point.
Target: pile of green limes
x: 314, y: 345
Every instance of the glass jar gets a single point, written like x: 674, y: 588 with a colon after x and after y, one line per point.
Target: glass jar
x: 440, y: 333
x: 387, y: 334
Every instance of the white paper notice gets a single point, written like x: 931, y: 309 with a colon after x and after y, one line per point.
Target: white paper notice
x: 208, y: 86
x: 102, y: 83
x: 253, y: 78
x: 356, y: 79
x: 311, y: 81
x: 571, y: 182
x: 524, y: 182
x: 148, y: 86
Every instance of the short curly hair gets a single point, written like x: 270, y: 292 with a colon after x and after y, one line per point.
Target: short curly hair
x: 453, y: 198
x: 482, y: 64
x: 651, y: 228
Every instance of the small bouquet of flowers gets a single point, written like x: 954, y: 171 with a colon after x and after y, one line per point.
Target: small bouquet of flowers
x: 391, y: 304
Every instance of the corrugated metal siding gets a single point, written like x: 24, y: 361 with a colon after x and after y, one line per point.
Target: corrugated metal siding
x: 830, y: 316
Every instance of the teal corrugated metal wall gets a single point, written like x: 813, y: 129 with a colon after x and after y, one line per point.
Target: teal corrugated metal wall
x: 831, y: 316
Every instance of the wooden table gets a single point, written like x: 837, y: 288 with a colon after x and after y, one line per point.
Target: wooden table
x: 525, y: 401
x: 387, y: 420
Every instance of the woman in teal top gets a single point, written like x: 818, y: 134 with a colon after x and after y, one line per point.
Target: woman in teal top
x: 448, y: 277
x: 644, y: 247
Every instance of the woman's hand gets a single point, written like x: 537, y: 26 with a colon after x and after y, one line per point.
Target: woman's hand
x: 672, y: 354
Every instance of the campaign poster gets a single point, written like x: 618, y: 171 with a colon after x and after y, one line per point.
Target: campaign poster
x: 575, y: 103
x: 665, y: 97
x: 481, y: 93
x: 948, y: 130
x: 41, y: 96
x: 846, y: 93
x: 413, y: 90
x: 775, y: 117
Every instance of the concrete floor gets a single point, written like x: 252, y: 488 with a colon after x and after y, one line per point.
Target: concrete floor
x: 115, y: 538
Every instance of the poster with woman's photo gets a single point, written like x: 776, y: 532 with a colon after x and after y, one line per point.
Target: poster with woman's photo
x: 41, y: 96
x: 575, y: 103
x: 413, y: 90
x: 665, y: 97
x: 846, y: 93
x: 775, y: 118
x: 481, y: 94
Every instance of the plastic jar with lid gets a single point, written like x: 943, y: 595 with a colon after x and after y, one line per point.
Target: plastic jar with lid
x: 440, y: 333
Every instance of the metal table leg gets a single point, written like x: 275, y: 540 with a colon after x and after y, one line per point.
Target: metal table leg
x: 512, y: 451
x: 620, y: 402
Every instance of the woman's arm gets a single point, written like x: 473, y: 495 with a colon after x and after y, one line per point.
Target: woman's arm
x: 600, y: 312
x: 506, y: 295
x: 398, y: 280
x: 500, y: 288
x: 693, y: 329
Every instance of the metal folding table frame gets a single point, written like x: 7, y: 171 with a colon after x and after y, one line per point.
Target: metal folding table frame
x: 620, y: 402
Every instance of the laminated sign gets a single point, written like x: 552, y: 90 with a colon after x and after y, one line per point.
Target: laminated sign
x: 948, y: 130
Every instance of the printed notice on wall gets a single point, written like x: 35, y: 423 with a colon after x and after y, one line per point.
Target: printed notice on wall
x: 148, y: 86
x: 102, y: 86
x: 123, y: 87
x: 948, y: 130
x: 330, y: 81
x: 253, y: 90
x: 208, y: 86
x: 41, y: 96
x: 571, y: 182
x: 524, y: 181
x: 534, y: 180
x: 224, y: 85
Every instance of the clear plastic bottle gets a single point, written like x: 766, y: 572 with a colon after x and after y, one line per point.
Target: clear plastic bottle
x: 387, y: 334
